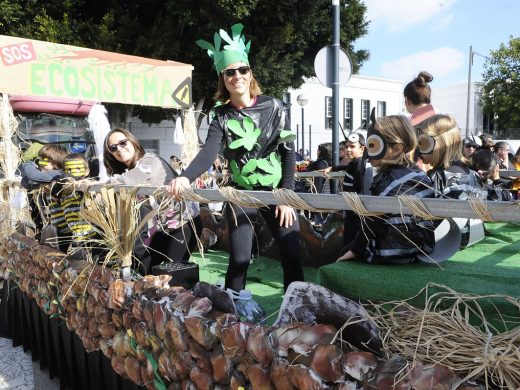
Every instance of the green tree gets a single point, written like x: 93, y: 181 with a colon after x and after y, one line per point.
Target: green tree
x: 501, y: 96
x: 285, y: 35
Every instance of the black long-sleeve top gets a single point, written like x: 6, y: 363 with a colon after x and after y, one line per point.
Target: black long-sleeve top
x: 269, y: 115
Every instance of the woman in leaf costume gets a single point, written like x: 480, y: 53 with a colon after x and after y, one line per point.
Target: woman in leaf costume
x: 254, y: 130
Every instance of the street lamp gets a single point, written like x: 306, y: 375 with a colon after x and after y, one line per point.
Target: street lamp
x: 302, y: 100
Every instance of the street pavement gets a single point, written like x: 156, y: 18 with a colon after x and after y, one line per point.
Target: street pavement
x: 19, y: 372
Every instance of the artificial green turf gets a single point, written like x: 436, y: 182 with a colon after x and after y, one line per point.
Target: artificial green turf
x: 264, y: 278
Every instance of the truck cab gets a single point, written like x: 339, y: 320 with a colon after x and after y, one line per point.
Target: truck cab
x: 52, y: 120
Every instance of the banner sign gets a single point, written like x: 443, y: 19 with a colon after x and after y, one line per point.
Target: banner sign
x: 37, y: 68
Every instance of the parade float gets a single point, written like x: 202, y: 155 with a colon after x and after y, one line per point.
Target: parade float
x: 96, y: 329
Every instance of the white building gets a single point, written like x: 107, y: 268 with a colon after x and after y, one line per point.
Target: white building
x: 356, y: 101
x: 453, y: 100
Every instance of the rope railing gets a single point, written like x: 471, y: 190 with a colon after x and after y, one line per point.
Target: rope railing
x: 430, y: 208
x: 341, y: 174
x: 366, y: 205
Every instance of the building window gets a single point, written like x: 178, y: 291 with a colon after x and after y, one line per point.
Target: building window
x: 328, y: 112
x: 150, y: 145
x: 365, y: 113
x: 347, y: 114
x: 381, y: 109
x: 488, y: 124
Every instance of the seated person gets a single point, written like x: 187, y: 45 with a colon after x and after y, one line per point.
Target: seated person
x: 175, y: 235
x: 358, y: 178
x: 486, y: 164
x: 76, y: 167
x: 393, y: 238
x: 44, y: 210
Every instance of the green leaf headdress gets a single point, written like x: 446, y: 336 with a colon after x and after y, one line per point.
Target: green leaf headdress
x: 236, y: 49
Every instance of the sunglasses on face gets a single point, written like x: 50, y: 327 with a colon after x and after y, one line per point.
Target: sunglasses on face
x: 122, y: 144
x: 243, y: 70
x: 43, y: 162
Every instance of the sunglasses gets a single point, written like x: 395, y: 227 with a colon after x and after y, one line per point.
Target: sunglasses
x: 243, y: 70
x: 42, y: 162
x: 122, y: 143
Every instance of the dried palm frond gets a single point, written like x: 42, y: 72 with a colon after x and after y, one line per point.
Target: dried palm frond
x: 115, y: 216
x: 190, y: 148
x: 452, y: 330
x: 11, y: 194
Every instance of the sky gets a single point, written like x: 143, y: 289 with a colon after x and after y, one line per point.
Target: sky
x: 407, y: 36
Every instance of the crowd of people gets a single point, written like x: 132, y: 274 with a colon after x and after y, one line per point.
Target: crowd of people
x: 423, y: 156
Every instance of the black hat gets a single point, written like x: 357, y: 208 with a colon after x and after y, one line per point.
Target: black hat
x: 475, y: 142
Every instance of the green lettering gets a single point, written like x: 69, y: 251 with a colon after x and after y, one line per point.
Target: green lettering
x: 135, y: 83
x: 123, y: 76
x: 55, y: 72
x: 110, y: 92
x: 149, y: 88
x: 37, y: 81
x: 90, y: 91
x: 71, y: 79
x: 166, y: 94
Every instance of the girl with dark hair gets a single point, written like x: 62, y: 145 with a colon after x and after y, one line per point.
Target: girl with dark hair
x: 176, y: 235
x: 393, y: 238
x: 358, y: 178
x: 417, y: 99
x: 486, y: 164
x: 323, y: 161
x: 253, y: 130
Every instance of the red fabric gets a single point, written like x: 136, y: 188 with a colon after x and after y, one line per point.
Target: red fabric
x: 421, y: 114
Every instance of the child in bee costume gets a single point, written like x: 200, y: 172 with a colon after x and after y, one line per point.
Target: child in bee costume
x: 46, y: 212
x: 75, y: 167
x: 254, y: 132
x: 393, y: 238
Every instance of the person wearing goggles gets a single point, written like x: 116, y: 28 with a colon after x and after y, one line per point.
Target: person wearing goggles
x: 440, y: 146
x: 393, y: 238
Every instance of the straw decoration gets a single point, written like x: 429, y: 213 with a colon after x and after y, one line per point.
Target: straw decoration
x: 10, y: 158
x: 116, y: 220
x: 452, y: 331
x: 240, y: 198
x: 417, y: 207
x: 291, y: 198
x: 353, y: 200
x: 190, y: 148
x: 480, y: 209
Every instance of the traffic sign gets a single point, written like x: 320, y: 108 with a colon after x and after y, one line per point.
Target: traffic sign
x: 323, y: 66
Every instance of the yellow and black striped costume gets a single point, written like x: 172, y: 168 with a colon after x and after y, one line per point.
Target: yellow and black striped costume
x: 81, y: 230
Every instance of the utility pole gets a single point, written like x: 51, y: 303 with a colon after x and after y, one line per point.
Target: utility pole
x: 469, y: 89
x: 335, y: 90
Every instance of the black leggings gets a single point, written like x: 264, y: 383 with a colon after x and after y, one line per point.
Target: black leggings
x: 173, y: 246
x: 241, y: 235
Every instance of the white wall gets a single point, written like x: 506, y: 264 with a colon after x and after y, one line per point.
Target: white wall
x: 163, y: 132
x: 358, y: 88
x: 453, y: 100
x: 450, y: 99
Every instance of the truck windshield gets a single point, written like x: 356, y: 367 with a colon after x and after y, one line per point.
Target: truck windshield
x: 70, y: 131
